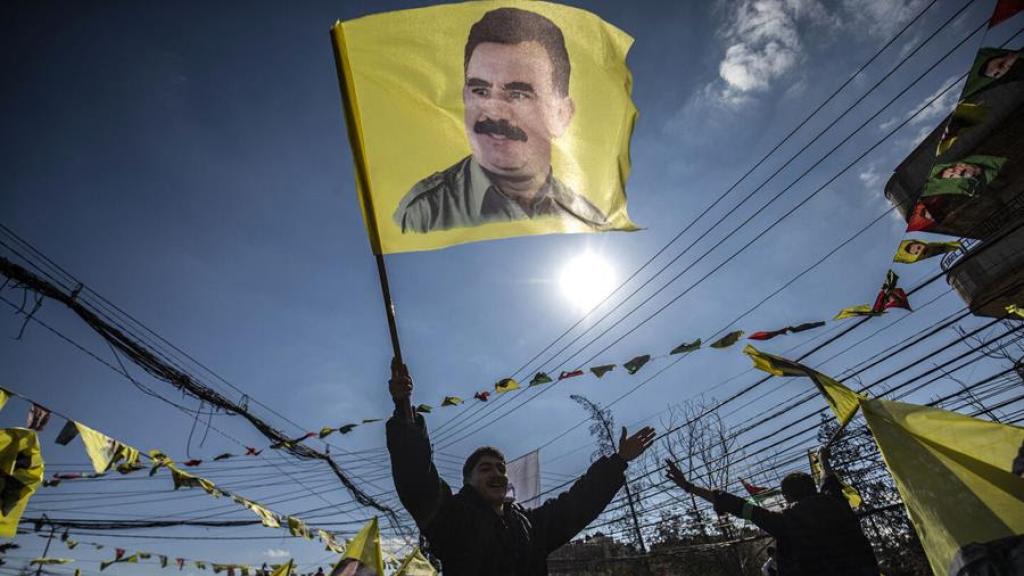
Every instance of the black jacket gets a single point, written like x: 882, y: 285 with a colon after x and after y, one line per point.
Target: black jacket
x: 819, y: 534
x: 465, y: 533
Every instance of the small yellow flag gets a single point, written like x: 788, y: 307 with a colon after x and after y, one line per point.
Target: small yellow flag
x: 4, y: 397
x: 284, y: 569
x: 415, y: 564
x: 853, y: 311
x: 103, y: 450
x: 21, y: 472
x: 841, y: 399
x: 484, y: 120
x: 506, y: 385
x: 955, y: 475
x: 362, y: 556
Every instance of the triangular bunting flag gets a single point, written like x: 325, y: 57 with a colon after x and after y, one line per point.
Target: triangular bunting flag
x: 635, y: 364
x: 727, y: 340
x: 686, y: 347
x: 602, y: 370
x: 362, y: 554
x: 506, y: 385
x: 540, y: 378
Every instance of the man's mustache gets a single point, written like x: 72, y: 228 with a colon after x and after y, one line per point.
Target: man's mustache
x: 499, y: 128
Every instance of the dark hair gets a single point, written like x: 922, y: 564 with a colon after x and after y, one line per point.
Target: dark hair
x: 798, y: 485
x: 512, y: 26
x: 475, y: 457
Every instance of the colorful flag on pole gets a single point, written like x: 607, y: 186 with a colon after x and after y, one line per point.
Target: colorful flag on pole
x: 363, y: 555
x: 542, y: 142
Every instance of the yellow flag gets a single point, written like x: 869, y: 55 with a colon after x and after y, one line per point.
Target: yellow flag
x: 841, y: 399
x: 416, y: 565
x: 506, y: 385
x: 362, y: 556
x: 43, y: 561
x: 486, y: 120
x: 329, y: 542
x: 911, y: 251
x: 21, y: 473
x: 103, y: 450
x: 955, y: 476
x: 298, y: 528
x: 853, y: 311
x: 284, y: 569
x: 4, y: 397
x: 1011, y: 309
x: 268, y: 518
x: 818, y: 473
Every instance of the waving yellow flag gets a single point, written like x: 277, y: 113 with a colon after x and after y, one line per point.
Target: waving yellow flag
x: 956, y: 476
x: 362, y: 556
x: 416, y: 565
x: 21, y: 473
x: 486, y: 120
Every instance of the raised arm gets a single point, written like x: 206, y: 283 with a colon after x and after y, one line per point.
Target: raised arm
x: 558, y: 520
x: 771, y: 522
x: 419, y: 486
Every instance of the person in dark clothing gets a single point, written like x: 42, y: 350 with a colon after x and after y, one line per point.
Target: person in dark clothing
x: 475, y: 531
x: 817, y: 534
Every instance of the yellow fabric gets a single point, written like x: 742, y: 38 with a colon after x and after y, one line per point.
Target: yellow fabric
x: 183, y: 479
x: 818, y: 473
x: 415, y: 565
x: 329, y: 542
x: 506, y: 385
x: 21, y: 473
x: 1011, y: 309
x: 298, y: 528
x: 365, y: 549
x: 4, y: 397
x: 841, y: 399
x: 953, y: 473
x: 853, y: 311
x: 268, y: 518
x: 284, y: 569
x: 403, y: 79
x: 923, y: 250
x: 103, y: 450
x: 45, y: 561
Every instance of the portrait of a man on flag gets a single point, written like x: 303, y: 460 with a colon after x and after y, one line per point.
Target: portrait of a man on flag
x: 500, y: 119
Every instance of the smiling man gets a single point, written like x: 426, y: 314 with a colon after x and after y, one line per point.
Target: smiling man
x: 516, y: 100
x: 475, y: 531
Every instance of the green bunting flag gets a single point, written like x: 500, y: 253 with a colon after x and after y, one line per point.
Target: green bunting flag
x: 602, y: 370
x: 727, y: 340
x: 635, y: 364
x: 686, y: 347
x: 347, y: 428
x: 424, y: 409
x: 540, y: 378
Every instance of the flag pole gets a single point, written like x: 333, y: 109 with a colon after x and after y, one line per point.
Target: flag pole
x: 355, y: 138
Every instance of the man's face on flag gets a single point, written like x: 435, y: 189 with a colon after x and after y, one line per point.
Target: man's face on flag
x: 915, y: 248
x: 961, y: 170
x: 512, y: 108
x: 998, y: 67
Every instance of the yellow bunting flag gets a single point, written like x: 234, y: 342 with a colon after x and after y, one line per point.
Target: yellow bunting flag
x: 818, y: 473
x: 515, y: 119
x: 103, y: 450
x: 183, y: 479
x: 326, y: 431
x: 21, y: 473
x: 268, y: 518
x: 133, y: 559
x: 284, y: 569
x: 298, y: 528
x: 451, y: 401
x: 854, y: 311
x: 956, y: 476
x: 506, y: 385
x: 329, y: 542
x: 415, y: 564
x: 1014, y: 309
x: 4, y: 397
x: 911, y: 251
x: 43, y: 561
x: 841, y: 399
x: 362, y: 556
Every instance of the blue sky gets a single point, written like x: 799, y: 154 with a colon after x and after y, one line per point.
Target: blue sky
x: 189, y: 163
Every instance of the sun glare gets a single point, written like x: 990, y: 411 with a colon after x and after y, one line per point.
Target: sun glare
x: 586, y: 280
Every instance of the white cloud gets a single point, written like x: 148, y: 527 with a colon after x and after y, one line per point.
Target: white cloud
x: 276, y: 553
x: 935, y: 111
x: 881, y: 18
x: 762, y: 44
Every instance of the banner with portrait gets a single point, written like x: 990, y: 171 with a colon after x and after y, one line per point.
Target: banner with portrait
x: 486, y: 120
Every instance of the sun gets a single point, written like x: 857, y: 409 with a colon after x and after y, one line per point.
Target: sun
x: 586, y: 280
